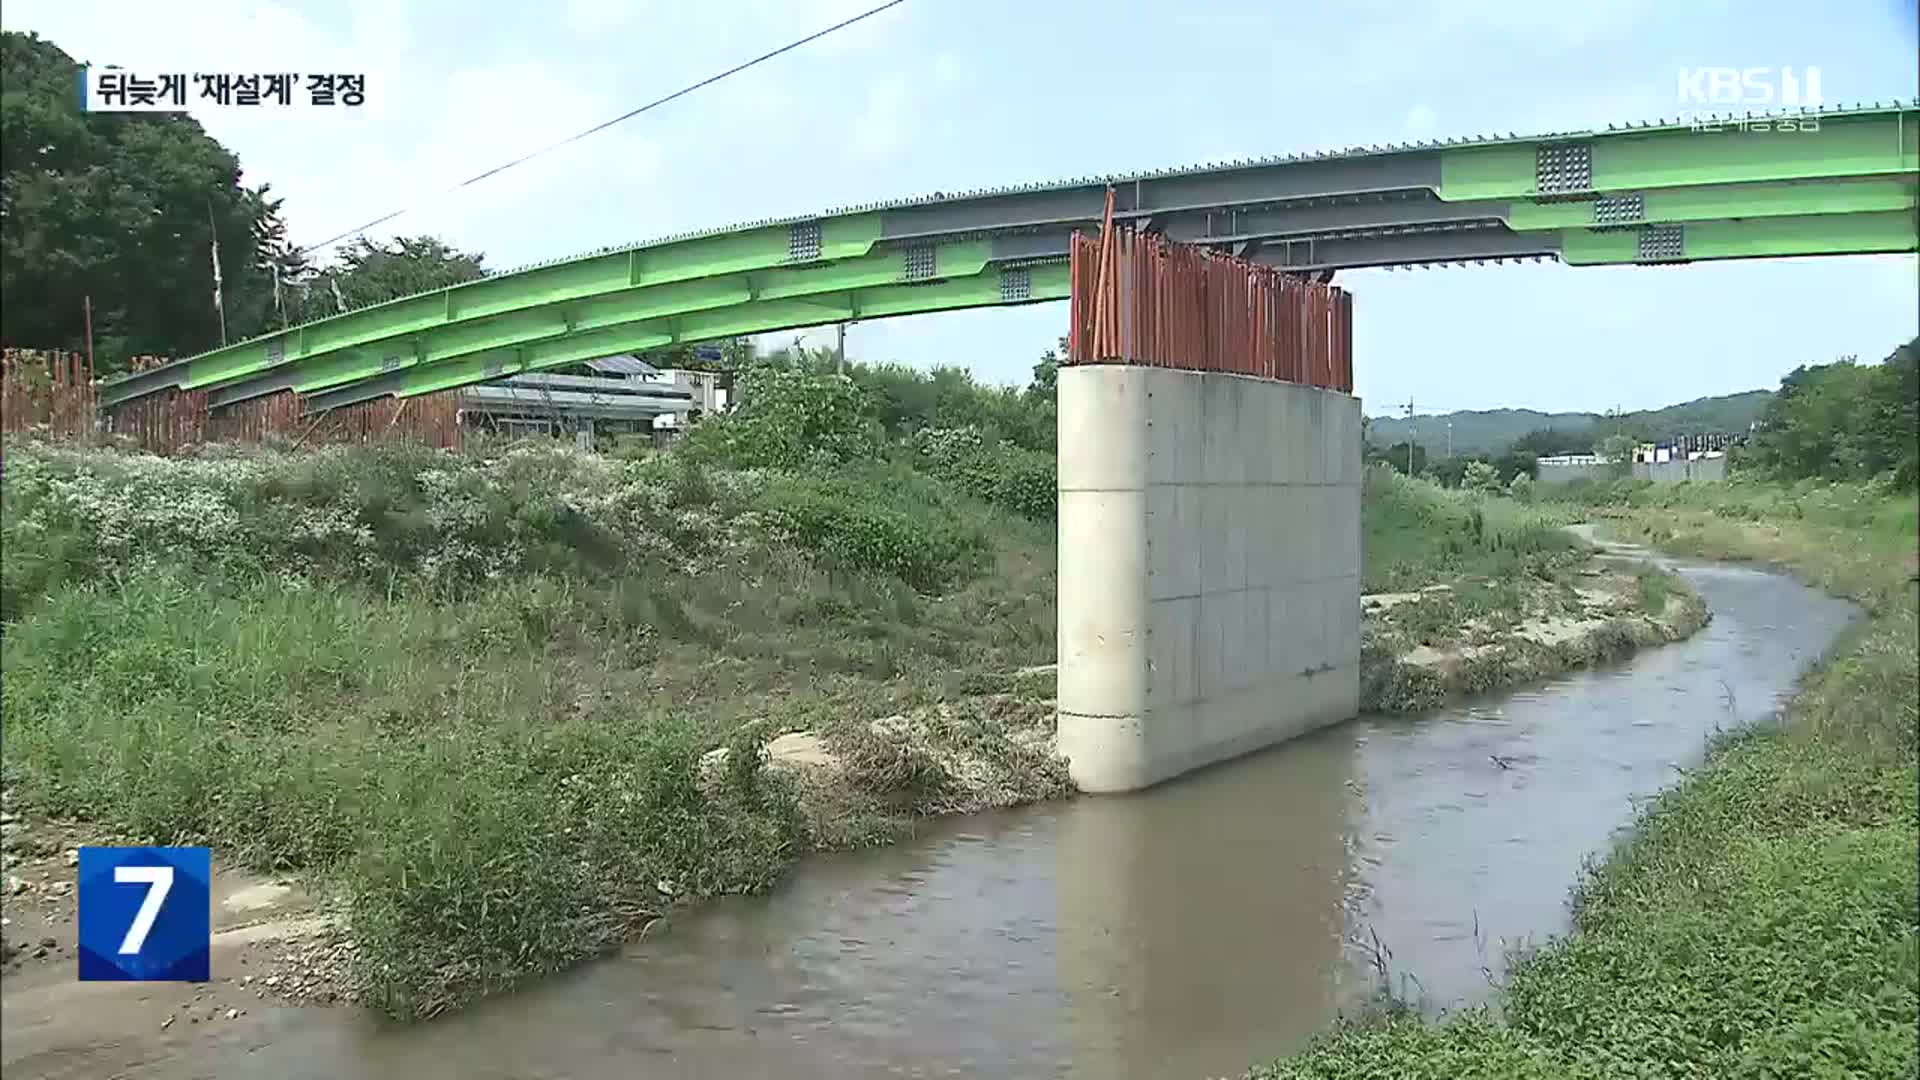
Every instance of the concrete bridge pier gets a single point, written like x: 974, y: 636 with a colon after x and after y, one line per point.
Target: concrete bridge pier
x: 1209, y: 574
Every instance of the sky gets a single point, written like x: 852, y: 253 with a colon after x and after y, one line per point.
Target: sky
x: 938, y: 95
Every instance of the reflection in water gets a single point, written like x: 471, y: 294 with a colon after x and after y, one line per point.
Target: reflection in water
x: 1179, y: 933
x: 1201, y: 922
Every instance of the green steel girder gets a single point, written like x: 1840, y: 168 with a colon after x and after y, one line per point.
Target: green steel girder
x: 320, y: 365
x: 1783, y: 198
x: 692, y: 262
x: 323, y: 367
x: 1870, y: 144
x: 981, y: 289
x: 551, y: 321
x: 1846, y: 187
x: 985, y: 288
x: 1772, y: 237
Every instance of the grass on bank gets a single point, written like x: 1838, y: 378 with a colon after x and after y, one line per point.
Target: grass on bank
x: 472, y: 694
x: 1762, y: 919
x: 1417, y: 533
x: 1486, y: 566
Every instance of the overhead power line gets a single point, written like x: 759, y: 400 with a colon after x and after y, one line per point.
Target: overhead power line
x: 625, y: 116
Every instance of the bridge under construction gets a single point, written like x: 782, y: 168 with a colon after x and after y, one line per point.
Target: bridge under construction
x: 1840, y: 181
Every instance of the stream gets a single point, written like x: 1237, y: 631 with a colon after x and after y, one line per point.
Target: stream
x: 1186, y: 932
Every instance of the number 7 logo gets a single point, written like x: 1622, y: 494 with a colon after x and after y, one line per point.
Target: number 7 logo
x: 160, y: 930
x: 159, y: 880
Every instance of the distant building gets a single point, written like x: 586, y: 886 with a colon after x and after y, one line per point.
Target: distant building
x: 1687, y: 448
x: 1695, y: 458
x: 624, y: 395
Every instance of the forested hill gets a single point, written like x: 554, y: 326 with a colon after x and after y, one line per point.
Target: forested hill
x: 1493, y: 430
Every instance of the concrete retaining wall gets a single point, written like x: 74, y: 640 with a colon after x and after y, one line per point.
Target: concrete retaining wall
x: 1701, y: 471
x: 1209, y: 586
x: 1555, y: 472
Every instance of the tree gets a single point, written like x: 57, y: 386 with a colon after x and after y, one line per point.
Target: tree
x: 370, y: 272
x: 1480, y: 476
x: 286, y: 267
x: 1447, y: 472
x: 1396, y: 456
x: 793, y: 416
x: 124, y: 209
x: 1618, y: 452
x: 1549, y: 442
x: 1046, y: 375
x: 1844, y: 420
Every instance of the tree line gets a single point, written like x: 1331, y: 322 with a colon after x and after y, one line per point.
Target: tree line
x: 1843, y: 421
x: 125, y: 212
x: 1840, y: 421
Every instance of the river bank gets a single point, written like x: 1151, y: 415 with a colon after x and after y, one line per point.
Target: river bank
x: 1178, y: 933
x: 463, y: 700
x: 760, y: 707
x: 1468, y: 593
x: 1761, y: 918
x: 1422, y: 649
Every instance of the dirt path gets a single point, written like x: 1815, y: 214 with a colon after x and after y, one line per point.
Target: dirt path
x: 272, y: 948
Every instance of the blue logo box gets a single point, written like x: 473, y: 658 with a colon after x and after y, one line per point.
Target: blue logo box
x: 146, y: 913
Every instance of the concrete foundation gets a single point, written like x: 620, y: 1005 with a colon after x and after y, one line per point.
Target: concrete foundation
x: 1566, y: 472
x: 1209, y: 586
x: 1706, y: 470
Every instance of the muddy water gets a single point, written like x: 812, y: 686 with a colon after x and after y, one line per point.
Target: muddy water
x: 1182, y: 933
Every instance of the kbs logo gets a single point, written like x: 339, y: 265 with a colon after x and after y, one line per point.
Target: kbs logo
x: 1787, y: 88
x: 145, y: 913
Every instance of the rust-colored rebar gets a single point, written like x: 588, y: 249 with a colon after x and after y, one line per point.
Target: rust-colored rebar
x: 1139, y: 299
x: 53, y: 394
x: 48, y: 392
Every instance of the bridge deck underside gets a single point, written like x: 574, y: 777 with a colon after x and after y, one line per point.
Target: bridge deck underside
x: 1846, y: 184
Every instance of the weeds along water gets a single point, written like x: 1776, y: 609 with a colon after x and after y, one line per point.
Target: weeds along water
x: 1761, y: 920
x: 1476, y: 591
x: 471, y: 694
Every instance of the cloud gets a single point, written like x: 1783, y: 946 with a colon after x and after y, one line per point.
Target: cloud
x: 1421, y: 121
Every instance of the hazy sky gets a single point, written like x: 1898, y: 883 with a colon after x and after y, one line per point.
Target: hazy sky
x: 947, y: 94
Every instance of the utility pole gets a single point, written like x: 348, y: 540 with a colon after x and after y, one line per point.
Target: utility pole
x: 840, y: 351
x: 1410, y: 435
x: 1449, y: 440
x: 219, y: 299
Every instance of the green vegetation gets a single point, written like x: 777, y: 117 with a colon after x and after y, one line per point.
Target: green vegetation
x: 1840, y: 421
x: 1844, y: 421
x: 1480, y: 476
x: 125, y: 209
x: 1504, y: 596
x: 121, y: 208
x: 1654, y: 588
x: 472, y: 696
x: 1761, y: 922
x: 369, y: 272
x: 1418, y: 534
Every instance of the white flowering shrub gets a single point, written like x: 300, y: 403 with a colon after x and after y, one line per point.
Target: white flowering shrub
x: 74, y: 514
x: 1000, y: 472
